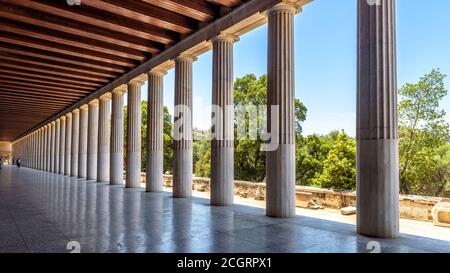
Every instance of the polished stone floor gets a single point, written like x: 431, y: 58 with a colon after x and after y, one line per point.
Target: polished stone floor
x: 42, y: 212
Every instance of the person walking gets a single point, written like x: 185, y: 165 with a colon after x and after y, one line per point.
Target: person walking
x: 18, y: 162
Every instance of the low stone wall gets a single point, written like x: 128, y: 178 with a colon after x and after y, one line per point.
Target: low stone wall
x: 411, y: 207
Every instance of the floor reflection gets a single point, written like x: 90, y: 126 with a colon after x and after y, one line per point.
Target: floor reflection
x: 42, y: 212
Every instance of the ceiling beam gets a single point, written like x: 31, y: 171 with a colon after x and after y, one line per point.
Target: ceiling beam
x: 43, y: 101
x: 146, y: 13
x: 53, y: 64
x: 197, y: 9
x: 53, y: 71
x: 42, y: 89
x: 36, y: 53
x: 227, y: 3
x: 115, y: 34
x: 40, y: 82
x: 44, y: 76
x: 65, y: 49
x: 73, y: 40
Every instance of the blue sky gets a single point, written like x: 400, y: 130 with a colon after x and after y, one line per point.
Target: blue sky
x: 325, y: 57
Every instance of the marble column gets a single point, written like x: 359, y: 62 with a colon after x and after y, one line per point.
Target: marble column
x: 52, y: 146
x: 82, y: 149
x: 68, y: 153
x: 57, y: 144
x: 75, y: 142
x: 222, y: 143
x: 62, y: 145
x: 104, y: 136
x: 39, y: 149
x: 45, y: 149
x: 377, y: 136
x: 92, y: 148
x: 48, y: 148
x: 280, y: 155
x: 155, y: 131
x: 182, y: 154
x: 34, y: 149
x: 133, y: 156
x: 117, y: 136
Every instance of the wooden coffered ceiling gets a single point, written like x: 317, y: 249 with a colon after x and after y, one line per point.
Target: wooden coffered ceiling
x: 53, y: 54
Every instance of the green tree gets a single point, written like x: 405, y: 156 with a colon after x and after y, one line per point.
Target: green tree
x: 250, y: 161
x: 311, y: 152
x: 339, y: 167
x: 168, y: 142
x: 422, y: 131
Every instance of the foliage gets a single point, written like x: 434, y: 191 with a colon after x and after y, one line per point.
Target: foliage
x: 339, y: 167
x: 168, y: 142
x: 424, y: 135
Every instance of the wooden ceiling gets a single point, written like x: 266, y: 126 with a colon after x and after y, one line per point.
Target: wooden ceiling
x: 53, y: 54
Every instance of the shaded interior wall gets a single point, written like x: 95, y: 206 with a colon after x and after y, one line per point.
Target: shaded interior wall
x: 5, y: 151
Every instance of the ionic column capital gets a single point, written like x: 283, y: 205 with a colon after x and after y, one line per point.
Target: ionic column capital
x: 120, y: 89
x: 69, y: 115
x: 105, y: 97
x: 93, y: 102
x: 139, y: 80
x: 84, y: 107
x: 157, y: 72
x: 290, y: 6
x: 189, y: 58
x: 227, y: 37
x: 75, y: 112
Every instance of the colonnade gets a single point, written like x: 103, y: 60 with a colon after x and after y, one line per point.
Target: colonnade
x: 88, y: 143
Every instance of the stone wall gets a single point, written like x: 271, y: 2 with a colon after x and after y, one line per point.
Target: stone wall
x: 411, y: 207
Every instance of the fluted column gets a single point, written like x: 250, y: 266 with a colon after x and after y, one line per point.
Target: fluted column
x: 34, y: 149
x: 48, y: 147
x: 68, y: 152
x: 104, y: 136
x: 45, y: 149
x: 117, y: 136
x: 222, y: 142
x: 92, y: 148
x: 280, y: 155
x: 377, y: 137
x: 57, y: 144
x: 62, y: 144
x: 82, y: 149
x: 182, y: 154
x: 155, y: 128
x: 75, y: 142
x: 39, y: 163
x: 133, y: 157
x: 52, y: 146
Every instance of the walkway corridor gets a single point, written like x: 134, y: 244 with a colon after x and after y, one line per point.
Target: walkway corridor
x: 42, y: 212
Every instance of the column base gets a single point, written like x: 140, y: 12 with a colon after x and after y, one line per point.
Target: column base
x: 280, y: 182
x: 378, y: 188
x: 222, y: 176
x: 154, y: 169
x: 182, y: 173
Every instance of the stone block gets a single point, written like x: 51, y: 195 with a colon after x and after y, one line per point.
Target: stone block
x: 441, y: 214
x: 348, y: 211
x: 303, y: 199
x: 260, y: 194
x: 202, y: 188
